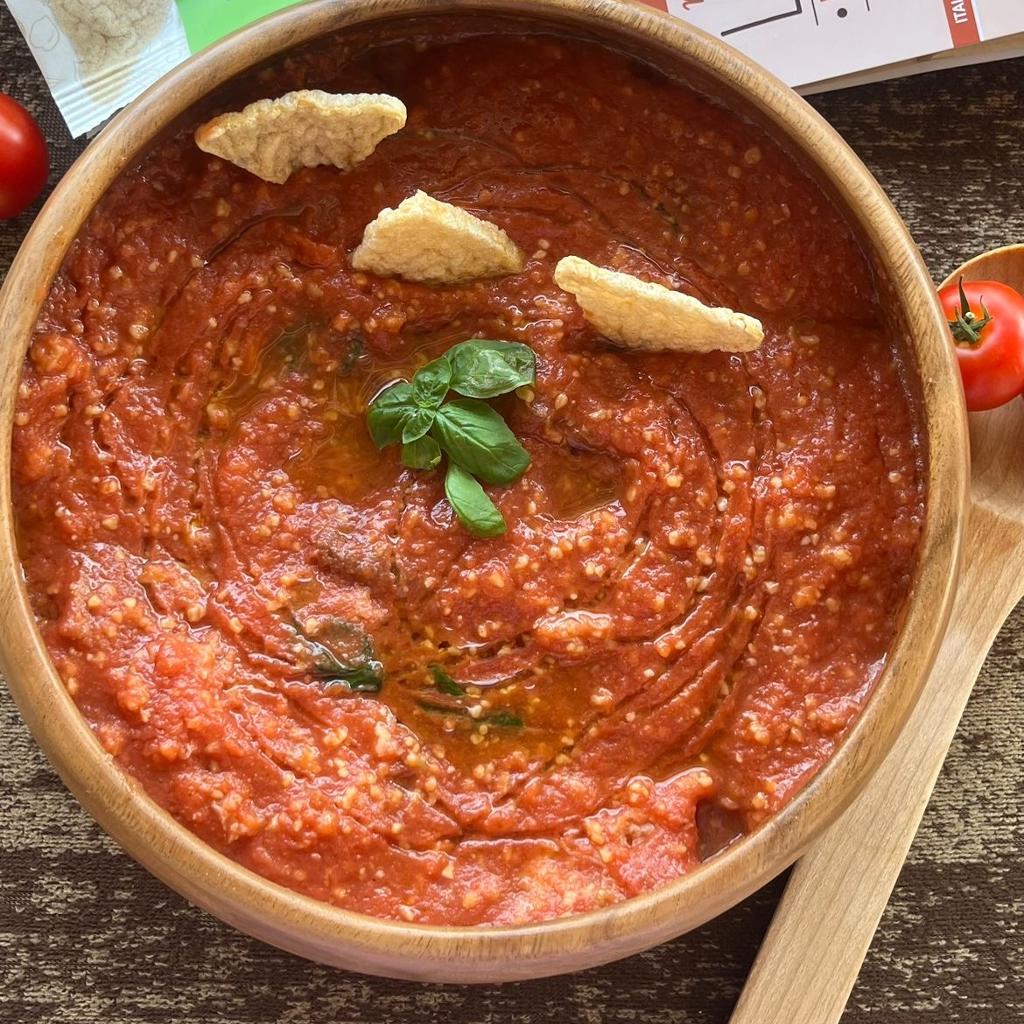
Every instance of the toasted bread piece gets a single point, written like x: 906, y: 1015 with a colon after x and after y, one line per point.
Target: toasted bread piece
x: 639, y: 314
x: 423, y: 239
x: 273, y: 138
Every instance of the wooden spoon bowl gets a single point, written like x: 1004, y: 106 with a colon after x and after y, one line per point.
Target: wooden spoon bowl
x: 997, y: 437
x: 318, y: 930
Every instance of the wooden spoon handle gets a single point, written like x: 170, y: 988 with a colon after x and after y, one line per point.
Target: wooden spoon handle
x: 825, y: 921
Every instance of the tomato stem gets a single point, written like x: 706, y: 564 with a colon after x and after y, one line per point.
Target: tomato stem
x: 967, y: 326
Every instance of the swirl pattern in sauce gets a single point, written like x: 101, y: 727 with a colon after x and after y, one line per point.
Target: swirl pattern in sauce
x: 705, y: 563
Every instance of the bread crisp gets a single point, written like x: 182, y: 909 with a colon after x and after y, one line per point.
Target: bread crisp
x: 423, y: 239
x: 643, y: 315
x: 273, y: 138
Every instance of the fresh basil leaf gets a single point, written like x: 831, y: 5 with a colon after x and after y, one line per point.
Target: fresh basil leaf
x: 477, y: 513
x: 388, y: 412
x: 477, y: 438
x: 483, y: 369
x: 505, y: 718
x: 423, y: 453
x: 417, y: 423
x: 430, y: 383
x: 444, y: 682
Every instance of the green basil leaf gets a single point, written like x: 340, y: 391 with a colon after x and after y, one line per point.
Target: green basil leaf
x: 423, y: 453
x: 355, y: 352
x: 442, y: 709
x: 477, y: 438
x: 475, y: 510
x: 505, y: 718
x: 353, y: 678
x: 344, y: 659
x: 483, y: 369
x: 388, y: 412
x: 444, y: 682
x: 430, y: 383
x: 417, y: 423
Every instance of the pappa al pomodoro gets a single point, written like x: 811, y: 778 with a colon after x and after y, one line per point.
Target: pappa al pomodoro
x: 450, y: 677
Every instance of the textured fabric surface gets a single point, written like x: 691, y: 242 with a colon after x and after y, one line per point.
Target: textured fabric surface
x: 88, y: 936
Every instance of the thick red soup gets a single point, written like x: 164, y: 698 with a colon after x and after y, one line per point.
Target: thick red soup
x: 704, y: 564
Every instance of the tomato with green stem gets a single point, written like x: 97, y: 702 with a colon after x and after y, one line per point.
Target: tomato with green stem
x: 986, y: 319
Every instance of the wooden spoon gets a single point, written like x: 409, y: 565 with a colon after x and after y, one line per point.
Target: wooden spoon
x: 824, y: 924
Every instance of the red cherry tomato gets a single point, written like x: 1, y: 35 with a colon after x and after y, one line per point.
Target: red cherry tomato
x: 986, y: 319
x: 24, y: 162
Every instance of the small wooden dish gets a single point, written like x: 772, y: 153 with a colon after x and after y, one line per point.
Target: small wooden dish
x: 346, y: 939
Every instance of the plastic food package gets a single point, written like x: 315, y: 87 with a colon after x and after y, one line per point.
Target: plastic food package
x: 98, y: 55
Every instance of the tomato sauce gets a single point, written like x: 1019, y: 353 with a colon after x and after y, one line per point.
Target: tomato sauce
x: 705, y: 563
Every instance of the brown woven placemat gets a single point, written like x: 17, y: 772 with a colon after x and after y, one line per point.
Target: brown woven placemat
x: 87, y: 936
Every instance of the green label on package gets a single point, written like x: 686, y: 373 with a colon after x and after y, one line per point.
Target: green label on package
x: 206, y: 22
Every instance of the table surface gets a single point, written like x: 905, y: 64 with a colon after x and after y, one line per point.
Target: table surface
x: 88, y: 936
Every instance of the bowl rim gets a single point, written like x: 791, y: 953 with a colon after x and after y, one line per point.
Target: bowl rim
x: 372, y: 945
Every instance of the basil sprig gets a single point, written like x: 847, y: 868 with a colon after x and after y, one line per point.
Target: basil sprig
x: 473, y: 435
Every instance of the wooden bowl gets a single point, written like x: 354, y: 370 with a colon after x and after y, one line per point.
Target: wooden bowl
x: 318, y: 930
